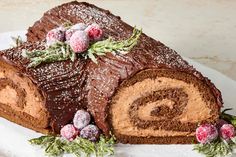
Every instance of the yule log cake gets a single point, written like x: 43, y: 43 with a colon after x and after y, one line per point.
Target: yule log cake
x: 148, y: 95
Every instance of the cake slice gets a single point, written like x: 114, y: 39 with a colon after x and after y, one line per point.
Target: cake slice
x: 150, y: 95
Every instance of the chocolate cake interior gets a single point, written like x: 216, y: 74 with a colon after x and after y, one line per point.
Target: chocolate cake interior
x: 160, y: 104
x: 20, y: 101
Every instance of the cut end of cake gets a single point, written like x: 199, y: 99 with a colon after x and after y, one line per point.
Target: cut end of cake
x: 20, y: 101
x: 161, y: 106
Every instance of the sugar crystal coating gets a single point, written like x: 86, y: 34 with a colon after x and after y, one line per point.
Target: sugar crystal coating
x: 90, y: 132
x: 94, y: 32
x: 227, y: 131
x: 79, y: 41
x: 69, y: 33
x: 206, y: 133
x: 79, y: 26
x: 74, y: 28
x: 69, y: 132
x: 55, y: 35
x: 81, y: 119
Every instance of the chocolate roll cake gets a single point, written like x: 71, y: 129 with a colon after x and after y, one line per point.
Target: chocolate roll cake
x: 149, y: 95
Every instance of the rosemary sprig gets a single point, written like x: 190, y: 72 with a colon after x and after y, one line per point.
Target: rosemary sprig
x: 228, y: 117
x: 17, y: 41
x: 59, y: 51
x: 55, y: 146
x: 105, y: 146
x: 67, y: 25
x: 217, y: 148
x: 109, y: 45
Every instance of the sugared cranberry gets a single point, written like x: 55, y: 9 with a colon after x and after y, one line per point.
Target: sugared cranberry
x: 206, y: 133
x: 73, y: 29
x: 69, y: 33
x: 90, y: 132
x: 79, y: 26
x: 55, y: 35
x: 227, y: 131
x: 220, y: 123
x: 81, y: 119
x: 94, y: 32
x: 79, y: 41
x: 69, y: 132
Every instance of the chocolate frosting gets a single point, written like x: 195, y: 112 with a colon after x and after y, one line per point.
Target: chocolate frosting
x: 68, y: 86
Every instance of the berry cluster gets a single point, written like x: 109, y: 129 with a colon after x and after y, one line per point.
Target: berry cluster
x: 207, y: 133
x: 77, y: 36
x: 80, y: 127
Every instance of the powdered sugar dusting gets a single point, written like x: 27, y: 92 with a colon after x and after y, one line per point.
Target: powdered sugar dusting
x: 83, y: 84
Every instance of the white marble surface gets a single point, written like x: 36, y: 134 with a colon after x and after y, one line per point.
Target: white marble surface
x: 204, y: 30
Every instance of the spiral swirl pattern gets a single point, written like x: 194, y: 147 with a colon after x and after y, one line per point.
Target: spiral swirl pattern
x: 160, y: 106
